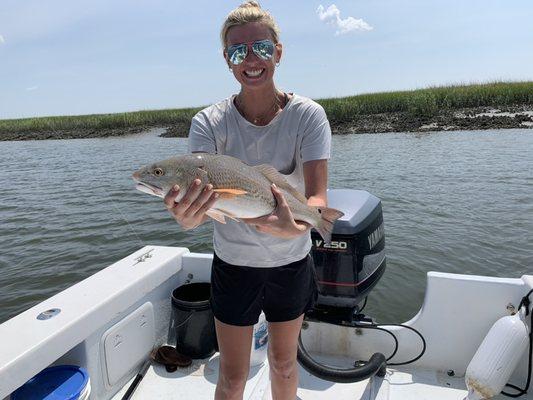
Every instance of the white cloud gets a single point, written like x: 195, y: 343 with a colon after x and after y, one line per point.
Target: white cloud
x: 32, y: 88
x: 2, y: 40
x: 332, y: 16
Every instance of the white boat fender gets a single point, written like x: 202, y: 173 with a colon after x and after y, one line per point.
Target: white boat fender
x: 497, y: 357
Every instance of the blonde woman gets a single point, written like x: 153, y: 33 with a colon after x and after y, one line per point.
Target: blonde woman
x: 262, y: 264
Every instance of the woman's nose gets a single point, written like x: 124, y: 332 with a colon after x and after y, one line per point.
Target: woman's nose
x: 251, y: 57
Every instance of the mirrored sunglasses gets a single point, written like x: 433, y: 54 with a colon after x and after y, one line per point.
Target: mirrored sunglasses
x: 263, y: 49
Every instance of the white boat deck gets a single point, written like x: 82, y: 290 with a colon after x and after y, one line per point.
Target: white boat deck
x: 199, y: 381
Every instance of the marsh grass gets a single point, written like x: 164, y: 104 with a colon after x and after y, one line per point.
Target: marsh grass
x: 430, y: 101
x: 148, y: 118
x: 417, y: 103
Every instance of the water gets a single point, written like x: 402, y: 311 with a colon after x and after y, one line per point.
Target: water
x: 457, y: 202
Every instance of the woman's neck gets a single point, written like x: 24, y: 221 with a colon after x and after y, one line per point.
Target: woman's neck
x: 260, y: 106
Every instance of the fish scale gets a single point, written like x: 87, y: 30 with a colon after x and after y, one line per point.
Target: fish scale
x: 240, y: 176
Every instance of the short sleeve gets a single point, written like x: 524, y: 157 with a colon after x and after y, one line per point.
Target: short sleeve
x: 201, y: 136
x: 316, y: 140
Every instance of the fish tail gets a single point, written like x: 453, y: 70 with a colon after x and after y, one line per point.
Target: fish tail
x: 325, y: 225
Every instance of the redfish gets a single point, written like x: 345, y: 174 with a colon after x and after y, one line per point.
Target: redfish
x: 244, y: 190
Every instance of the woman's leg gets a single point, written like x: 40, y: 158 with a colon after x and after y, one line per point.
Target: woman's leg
x: 235, y: 343
x: 282, y: 348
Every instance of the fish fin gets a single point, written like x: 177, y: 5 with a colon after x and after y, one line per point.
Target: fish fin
x: 216, y: 215
x: 229, y: 193
x: 274, y: 176
x: 224, y: 213
x: 231, y: 216
x: 328, y: 218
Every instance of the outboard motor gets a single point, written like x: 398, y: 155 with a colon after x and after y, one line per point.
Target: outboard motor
x: 351, y: 265
x: 347, y: 269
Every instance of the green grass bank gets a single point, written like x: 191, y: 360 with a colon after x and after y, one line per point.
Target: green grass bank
x: 452, y: 107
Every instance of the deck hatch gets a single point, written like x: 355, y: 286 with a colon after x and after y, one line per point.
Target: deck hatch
x: 128, y: 343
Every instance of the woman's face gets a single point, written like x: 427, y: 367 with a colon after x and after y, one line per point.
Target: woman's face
x: 247, y: 71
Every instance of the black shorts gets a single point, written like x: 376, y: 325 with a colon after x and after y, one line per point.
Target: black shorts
x: 239, y: 294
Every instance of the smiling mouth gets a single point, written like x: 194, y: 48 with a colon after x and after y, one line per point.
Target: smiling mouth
x: 254, y: 73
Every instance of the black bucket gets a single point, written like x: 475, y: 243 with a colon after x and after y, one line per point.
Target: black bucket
x: 194, y: 321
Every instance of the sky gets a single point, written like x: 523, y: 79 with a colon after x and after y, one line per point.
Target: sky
x: 64, y: 57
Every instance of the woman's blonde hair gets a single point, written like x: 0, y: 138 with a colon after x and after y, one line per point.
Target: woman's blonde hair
x: 249, y: 11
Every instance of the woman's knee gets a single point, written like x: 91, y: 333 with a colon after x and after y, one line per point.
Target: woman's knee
x: 232, y: 380
x: 281, y: 365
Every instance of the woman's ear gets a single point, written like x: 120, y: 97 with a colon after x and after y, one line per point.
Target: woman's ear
x: 225, y: 55
x: 278, y: 53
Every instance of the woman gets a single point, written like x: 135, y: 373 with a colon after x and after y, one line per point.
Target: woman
x: 263, y: 263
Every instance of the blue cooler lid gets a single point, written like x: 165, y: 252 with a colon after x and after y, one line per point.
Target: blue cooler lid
x: 62, y: 382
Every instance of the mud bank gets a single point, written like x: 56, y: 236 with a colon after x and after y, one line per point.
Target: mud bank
x: 480, y: 118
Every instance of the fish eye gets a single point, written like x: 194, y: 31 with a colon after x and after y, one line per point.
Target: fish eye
x: 159, y: 172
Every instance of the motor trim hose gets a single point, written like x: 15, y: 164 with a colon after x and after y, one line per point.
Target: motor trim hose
x: 377, y: 365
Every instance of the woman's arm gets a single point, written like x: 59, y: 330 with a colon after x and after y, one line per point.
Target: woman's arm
x: 316, y: 182
x: 191, y: 210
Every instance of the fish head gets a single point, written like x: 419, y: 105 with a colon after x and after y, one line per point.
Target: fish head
x: 159, y: 178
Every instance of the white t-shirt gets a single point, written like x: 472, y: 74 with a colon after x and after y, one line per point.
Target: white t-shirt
x: 299, y: 133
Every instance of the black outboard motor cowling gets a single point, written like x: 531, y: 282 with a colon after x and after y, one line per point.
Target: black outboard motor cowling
x: 347, y: 269
x: 351, y: 265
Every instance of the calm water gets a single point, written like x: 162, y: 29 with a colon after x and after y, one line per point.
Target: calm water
x: 454, y: 201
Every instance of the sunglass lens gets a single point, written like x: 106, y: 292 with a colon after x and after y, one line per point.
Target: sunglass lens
x: 263, y: 49
x: 237, y: 53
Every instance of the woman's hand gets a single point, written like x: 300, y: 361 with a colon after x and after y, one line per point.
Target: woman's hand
x: 190, y: 211
x: 280, y: 223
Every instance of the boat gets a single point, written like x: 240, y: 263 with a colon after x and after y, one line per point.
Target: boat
x: 471, y: 334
